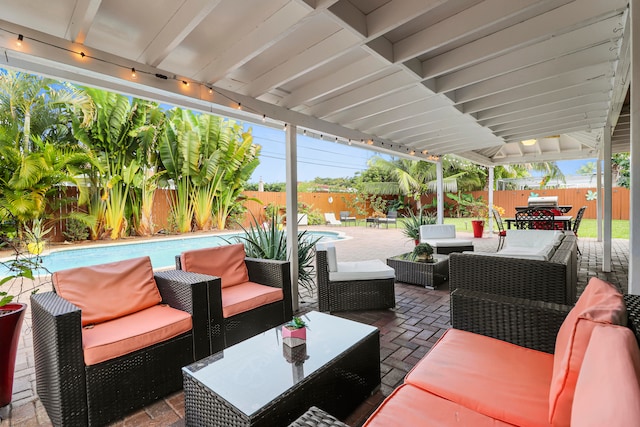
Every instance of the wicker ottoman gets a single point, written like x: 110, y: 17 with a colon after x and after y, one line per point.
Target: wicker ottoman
x: 316, y: 417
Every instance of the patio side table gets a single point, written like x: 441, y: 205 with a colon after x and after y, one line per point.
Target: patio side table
x: 423, y: 273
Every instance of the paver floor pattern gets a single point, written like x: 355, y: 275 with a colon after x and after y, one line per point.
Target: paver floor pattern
x: 406, y: 333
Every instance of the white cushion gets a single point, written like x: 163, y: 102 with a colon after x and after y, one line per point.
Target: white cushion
x: 332, y: 259
x: 444, y: 243
x: 437, y: 231
x: 542, y: 254
x: 362, y: 270
x: 533, y: 238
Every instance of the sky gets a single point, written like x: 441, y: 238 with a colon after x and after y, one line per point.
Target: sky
x: 325, y: 158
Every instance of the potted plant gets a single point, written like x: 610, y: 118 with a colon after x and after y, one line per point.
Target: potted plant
x: 11, y: 316
x: 35, y: 236
x: 294, y: 332
x: 411, y: 224
x: 423, y: 252
x: 480, y: 211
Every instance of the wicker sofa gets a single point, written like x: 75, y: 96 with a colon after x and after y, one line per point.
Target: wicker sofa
x: 510, y: 361
x: 114, y: 337
x: 251, y: 296
x: 542, y: 271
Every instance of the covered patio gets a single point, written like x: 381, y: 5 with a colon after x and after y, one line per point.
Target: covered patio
x: 406, y: 333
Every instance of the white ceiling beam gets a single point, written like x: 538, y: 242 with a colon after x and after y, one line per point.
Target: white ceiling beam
x: 551, y: 117
x: 541, y: 27
x: 389, y: 84
x: 188, y: 16
x: 313, y: 57
x: 584, y: 58
x: 584, y: 76
x: 489, y: 13
x: 516, y: 114
x: 565, y: 44
x: 404, y: 112
x: 83, y: 15
x: 396, y: 13
x: 254, y: 41
x: 426, y: 120
x: 542, y: 132
x: 337, y: 80
x: 561, y: 123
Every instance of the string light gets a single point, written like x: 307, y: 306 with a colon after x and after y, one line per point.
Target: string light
x: 186, y: 83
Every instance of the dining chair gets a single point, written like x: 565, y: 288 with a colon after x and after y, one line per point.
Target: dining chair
x: 535, y: 219
x: 576, y: 224
x: 502, y: 233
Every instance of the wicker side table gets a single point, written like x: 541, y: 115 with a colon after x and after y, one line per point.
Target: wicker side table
x: 427, y: 274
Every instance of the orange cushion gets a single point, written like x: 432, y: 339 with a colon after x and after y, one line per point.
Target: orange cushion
x: 496, y: 378
x: 247, y: 296
x: 225, y: 262
x: 107, y: 291
x: 599, y: 303
x: 411, y: 406
x: 608, y: 388
x: 136, y: 331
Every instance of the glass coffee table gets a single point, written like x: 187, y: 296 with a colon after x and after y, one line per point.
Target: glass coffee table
x: 261, y: 382
x: 429, y: 274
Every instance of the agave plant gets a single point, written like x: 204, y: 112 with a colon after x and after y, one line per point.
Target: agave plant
x: 270, y: 242
x: 413, y: 222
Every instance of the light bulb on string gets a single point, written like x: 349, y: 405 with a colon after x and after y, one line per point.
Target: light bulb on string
x: 133, y: 73
x: 19, y: 41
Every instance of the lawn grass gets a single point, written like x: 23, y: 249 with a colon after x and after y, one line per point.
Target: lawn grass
x: 619, y: 228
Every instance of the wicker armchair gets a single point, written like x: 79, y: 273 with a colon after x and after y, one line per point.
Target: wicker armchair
x: 363, y: 293
x: 74, y: 393
x: 239, y: 327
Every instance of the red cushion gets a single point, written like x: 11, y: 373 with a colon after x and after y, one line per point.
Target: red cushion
x: 608, y: 388
x: 107, y: 291
x: 411, y: 406
x: 600, y: 302
x: 498, y: 379
x: 247, y: 296
x: 503, y: 233
x: 136, y: 331
x: 226, y: 262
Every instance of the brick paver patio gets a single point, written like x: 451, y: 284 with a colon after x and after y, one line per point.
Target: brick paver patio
x: 406, y: 333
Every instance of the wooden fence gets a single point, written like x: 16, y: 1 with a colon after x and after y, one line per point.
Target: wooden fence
x: 336, y: 202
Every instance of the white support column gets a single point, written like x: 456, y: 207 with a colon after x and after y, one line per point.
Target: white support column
x: 491, y: 172
x: 440, y: 191
x: 608, y: 186
x: 599, y: 195
x: 292, y: 208
x: 634, y: 161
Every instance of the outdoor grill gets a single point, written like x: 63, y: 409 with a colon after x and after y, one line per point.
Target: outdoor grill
x: 546, y: 202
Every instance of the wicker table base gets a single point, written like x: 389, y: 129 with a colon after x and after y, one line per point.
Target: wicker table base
x: 427, y: 274
x: 259, y: 382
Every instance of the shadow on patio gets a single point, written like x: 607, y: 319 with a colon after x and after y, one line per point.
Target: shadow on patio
x: 406, y: 333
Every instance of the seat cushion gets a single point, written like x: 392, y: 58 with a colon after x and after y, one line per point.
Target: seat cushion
x: 362, y: 270
x: 225, y: 262
x: 247, y: 296
x: 108, y: 291
x: 444, y: 243
x: 608, y: 387
x: 411, y: 406
x: 600, y: 302
x: 496, y: 378
x: 108, y: 340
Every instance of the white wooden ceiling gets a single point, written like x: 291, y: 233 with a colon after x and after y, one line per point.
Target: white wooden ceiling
x: 429, y: 77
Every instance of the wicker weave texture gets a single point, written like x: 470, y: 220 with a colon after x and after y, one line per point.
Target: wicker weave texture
x: 429, y: 275
x: 527, y: 323
x: 352, y: 295
x: 339, y: 386
x: 316, y: 417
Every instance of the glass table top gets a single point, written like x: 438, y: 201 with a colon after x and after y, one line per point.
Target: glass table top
x: 257, y: 371
x: 410, y: 257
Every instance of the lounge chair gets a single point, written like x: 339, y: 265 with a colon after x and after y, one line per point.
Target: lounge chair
x: 330, y: 218
x: 346, y: 218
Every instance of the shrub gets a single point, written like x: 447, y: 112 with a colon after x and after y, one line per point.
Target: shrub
x: 75, y: 230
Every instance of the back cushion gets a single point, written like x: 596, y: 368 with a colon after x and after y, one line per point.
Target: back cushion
x: 225, y: 262
x: 599, y: 303
x: 608, y: 387
x: 109, y: 291
x: 437, y: 231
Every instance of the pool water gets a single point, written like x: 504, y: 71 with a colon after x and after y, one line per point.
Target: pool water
x: 162, y: 251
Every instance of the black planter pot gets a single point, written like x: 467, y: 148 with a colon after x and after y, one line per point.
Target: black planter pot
x: 11, y: 316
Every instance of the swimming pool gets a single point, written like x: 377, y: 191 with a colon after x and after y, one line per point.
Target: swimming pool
x: 161, y: 251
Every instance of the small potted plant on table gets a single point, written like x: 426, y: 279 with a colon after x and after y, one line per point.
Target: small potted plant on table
x: 294, y: 333
x: 423, y: 252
